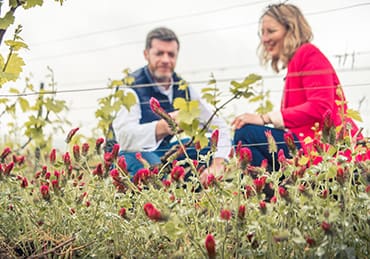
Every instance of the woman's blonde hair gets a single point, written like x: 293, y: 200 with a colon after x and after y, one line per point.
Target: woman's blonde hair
x: 298, y: 32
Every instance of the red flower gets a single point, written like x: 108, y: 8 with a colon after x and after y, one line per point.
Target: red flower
x: 289, y: 141
x: 98, y: 144
x: 5, y: 153
x: 52, y: 156
x: 76, y: 152
x: 273, y: 199
x: 114, y: 174
x: 8, y: 168
x: 367, y: 190
x: 152, y: 212
x: 177, y: 173
x: 310, y: 241
x: 122, y: 212
x: 67, y: 159
x: 245, y: 157
x: 214, y: 139
x: 44, y: 189
x: 122, y: 164
x: 166, y: 183
x: 241, y: 212
x: 259, y: 183
x: 326, y: 226
x: 85, y: 149
x: 283, y: 192
x: 324, y: 193
x: 248, y: 191
x: 225, y: 214
x: 47, y: 175
x: 210, y: 244
x: 55, y: 184
x: 71, y: 133
x: 155, y: 106
x: 98, y: 170
x: 24, y: 183
x: 115, y: 151
x: 263, y: 206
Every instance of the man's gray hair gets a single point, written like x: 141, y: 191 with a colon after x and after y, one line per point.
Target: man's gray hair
x: 161, y: 33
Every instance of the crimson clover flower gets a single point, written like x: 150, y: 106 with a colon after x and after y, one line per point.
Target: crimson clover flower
x: 271, y: 142
x: 262, y: 206
x: 157, y: 109
x: 8, y: 168
x: 98, y: 144
x: 85, y: 149
x: 115, y: 151
x: 24, y: 182
x: 76, y: 152
x: 241, y: 212
x: 245, y: 157
x: 259, y: 183
x: 122, y: 164
x: 328, y: 128
x: 225, y: 214
x: 152, y: 212
x: 122, y: 212
x: 177, y: 173
x: 5, y: 153
x: 214, y: 140
x: 289, y: 141
x: 98, y: 170
x: 52, y: 156
x: 44, y: 190
x: 210, y: 244
x: 67, y: 159
x: 71, y: 133
x: 326, y: 227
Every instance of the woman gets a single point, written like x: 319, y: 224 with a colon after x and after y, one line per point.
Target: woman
x: 311, y: 85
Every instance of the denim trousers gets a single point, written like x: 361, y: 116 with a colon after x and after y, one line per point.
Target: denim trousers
x: 253, y: 137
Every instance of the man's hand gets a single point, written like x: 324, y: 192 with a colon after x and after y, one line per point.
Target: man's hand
x: 162, y: 128
x: 246, y: 118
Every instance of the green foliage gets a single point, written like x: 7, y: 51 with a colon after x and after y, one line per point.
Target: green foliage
x: 7, y: 20
x: 322, y: 213
x: 112, y: 103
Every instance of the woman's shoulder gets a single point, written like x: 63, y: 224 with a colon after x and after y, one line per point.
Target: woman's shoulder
x: 308, y: 49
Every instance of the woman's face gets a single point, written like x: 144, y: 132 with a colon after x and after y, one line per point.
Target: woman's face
x: 272, y: 35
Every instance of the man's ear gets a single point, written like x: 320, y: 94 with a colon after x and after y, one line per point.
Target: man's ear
x: 146, y: 54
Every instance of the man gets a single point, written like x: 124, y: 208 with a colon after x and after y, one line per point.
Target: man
x: 139, y: 129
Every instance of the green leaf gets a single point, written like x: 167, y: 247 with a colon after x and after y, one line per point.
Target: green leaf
x: 15, y: 64
x: 332, y: 172
x: 129, y: 80
x: 183, y: 85
x: 24, y: 104
x: 179, y: 103
x: 16, y: 45
x: 7, y: 20
x: 32, y: 3
x: 129, y: 100
x: 116, y: 83
x: 212, y: 82
x: 354, y: 115
x: 54, y: 106
x: 4, y: 100
x: 303, y: 160
x: 14, y: 90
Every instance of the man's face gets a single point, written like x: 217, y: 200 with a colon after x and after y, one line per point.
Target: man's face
x: 162, y: 57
